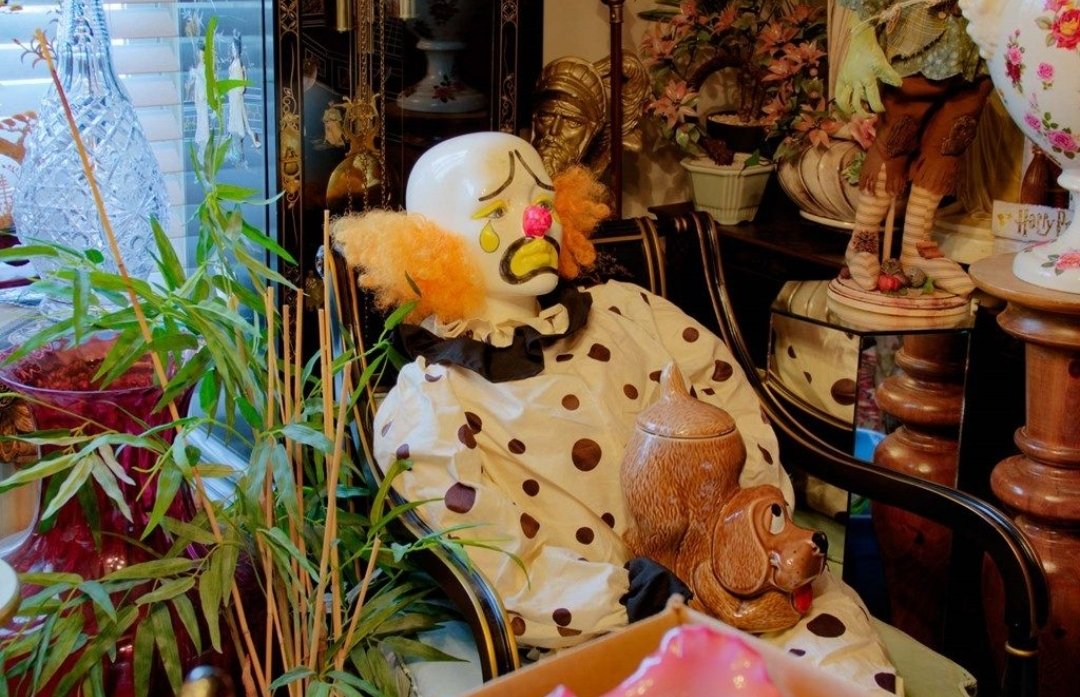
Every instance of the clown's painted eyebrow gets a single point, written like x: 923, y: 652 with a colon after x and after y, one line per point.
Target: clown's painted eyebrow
x: 539, y: 183
x: 505, y: 184
x: 510, y: 178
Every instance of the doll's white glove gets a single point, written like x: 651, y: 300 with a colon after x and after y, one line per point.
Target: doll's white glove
x: 864, y: 66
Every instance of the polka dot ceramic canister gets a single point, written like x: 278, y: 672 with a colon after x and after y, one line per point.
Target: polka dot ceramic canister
x: 1033, y: 50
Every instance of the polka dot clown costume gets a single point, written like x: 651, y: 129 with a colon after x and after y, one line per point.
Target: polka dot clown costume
x: 523, y: 392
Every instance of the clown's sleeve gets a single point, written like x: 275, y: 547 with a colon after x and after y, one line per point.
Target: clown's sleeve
x: 559, y: 584
x: 714, y: 376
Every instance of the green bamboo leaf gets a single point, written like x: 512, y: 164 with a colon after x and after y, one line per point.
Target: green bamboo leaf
x: 68, y: 632
x: 167, y: 647
x: 210, y: 594
x: 168, y: 590
x: 50, y: 578
x: 186, y: 612
x: 80, y: 310
x: 280, y: 539
x: 209, y: 392
x: 41, y: 655
x: 266, y: 241
x: 97, y: 593
x: 106, y: 452
x: 107, y: 636
x: 318, y: 689
x: 143, y: 659
x: 42, y: 469
x: 412, y: 650
x: 172, y: 271
x: 158, y: 568
x: 72, y: 483
x: 302, y: 433
x: 356, y: 681
x: 107, y: 481
x: 168, y: 484
x: 291, y: 676
x: 187, y: 532
x: 284, y: 479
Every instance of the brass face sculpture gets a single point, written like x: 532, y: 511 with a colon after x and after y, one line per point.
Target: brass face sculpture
x: 570, y: 120
x: 744, y: 559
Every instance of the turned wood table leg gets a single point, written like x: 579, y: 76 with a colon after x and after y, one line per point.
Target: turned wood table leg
x: 927, y: 398
x: 1041, y: 485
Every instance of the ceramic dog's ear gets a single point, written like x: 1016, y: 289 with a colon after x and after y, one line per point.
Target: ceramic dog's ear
x: 739, y: 559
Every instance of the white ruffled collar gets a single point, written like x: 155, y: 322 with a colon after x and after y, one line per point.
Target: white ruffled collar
x: 554, y: 320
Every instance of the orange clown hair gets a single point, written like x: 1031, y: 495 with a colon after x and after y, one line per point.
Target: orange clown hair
x: 392, y: 247
x: 580, y: 203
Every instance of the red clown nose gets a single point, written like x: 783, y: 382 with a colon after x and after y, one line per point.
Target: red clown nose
x: 536, y: 221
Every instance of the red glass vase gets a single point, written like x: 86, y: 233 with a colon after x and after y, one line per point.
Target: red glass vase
x: 57, y: 382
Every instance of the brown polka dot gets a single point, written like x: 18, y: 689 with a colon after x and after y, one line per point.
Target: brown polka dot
x: 531, y: 487
x: 645, y: 298
x: 475, y: 422
x: 765, y: 454
x: 529, y: 525
x: 655, y: 376
x: 599, y: 352
x: 386, y: 427
x: 518, y: 625
x: 808, y: 376
x: 722, y: 371
x: 693, y: 392
x: 402, y: 453
x: 563, y: 357
x: 465, y: 435
x: 586, y: 454
x: 708, y: 391
x: 797, y: 652
x: 843, y: 391
x: 608, y: 519
x: 515, y: 446
x: 615, y: 310
x: 690, y: 335
x: 570, y: 402
x: 791, y: 352
x: 585, y: 535
x: 886, y: 681
x: 460, y: 498
x: 432, y: 378
x: 630, y: 391
x: 562, y: 617
x: 567, y: 631
x: 826, y: 625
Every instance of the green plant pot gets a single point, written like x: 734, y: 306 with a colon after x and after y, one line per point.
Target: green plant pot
x: 729, y: 193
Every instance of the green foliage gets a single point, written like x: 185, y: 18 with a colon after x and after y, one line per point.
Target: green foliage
x: 212, y: 325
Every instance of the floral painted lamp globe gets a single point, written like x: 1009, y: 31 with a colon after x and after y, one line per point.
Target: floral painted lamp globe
x: 1033, y: 50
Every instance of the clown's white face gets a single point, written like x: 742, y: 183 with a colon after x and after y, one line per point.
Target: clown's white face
x: 491, y: 188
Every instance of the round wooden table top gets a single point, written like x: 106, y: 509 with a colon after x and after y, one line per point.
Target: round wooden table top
x: 9, y: 593
x: 994, y: 275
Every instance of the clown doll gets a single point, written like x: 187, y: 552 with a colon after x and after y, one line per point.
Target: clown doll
x: 523, y: 391
x: 933, y: 87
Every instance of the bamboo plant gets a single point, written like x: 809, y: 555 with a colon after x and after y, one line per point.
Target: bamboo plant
x: 339, y: 603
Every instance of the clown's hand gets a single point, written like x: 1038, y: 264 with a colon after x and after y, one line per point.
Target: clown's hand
x: 864, y: 66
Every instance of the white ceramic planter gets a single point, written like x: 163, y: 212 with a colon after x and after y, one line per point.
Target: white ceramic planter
x: 1033, y: 50
x: 731, y: 193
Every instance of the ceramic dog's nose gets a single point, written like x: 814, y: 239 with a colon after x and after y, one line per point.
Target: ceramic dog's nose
x: 821, y: 541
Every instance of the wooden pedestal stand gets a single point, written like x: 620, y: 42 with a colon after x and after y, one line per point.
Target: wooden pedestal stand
x: 927, y: 398
x: 1042, y: 484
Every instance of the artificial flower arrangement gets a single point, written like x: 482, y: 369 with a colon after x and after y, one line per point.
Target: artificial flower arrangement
x: 774, y: 47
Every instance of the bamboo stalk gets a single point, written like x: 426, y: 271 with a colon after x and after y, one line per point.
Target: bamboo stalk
x: 272, y: 620
x: 324, y: 558
x: 144, y: 328
x: 335, y: 559
x: 339, y: 660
